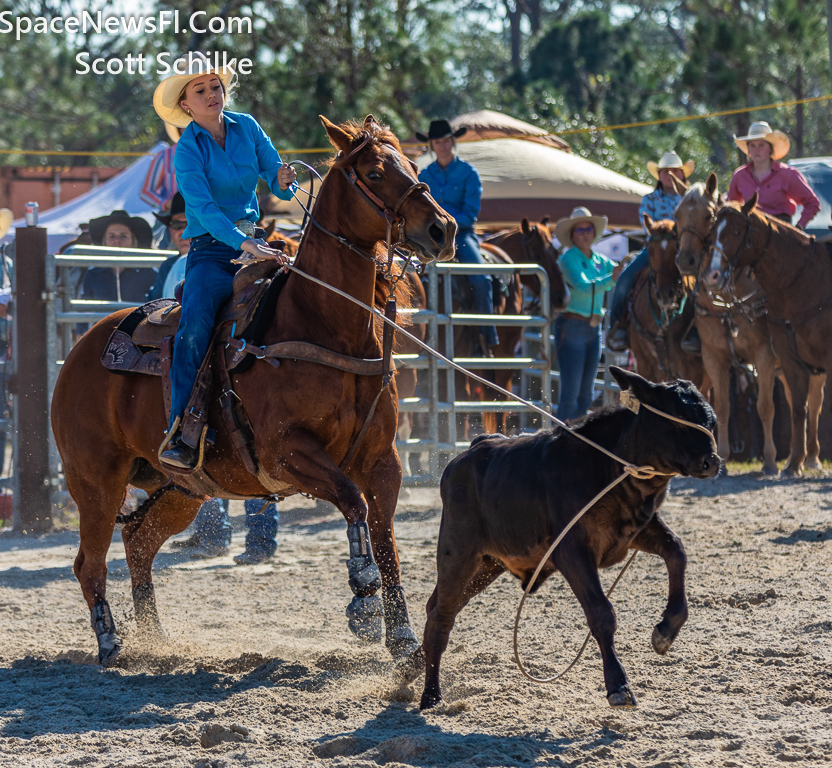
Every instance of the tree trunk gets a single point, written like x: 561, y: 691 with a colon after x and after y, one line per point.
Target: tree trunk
x: 514, y: 16
x: 798, y: 114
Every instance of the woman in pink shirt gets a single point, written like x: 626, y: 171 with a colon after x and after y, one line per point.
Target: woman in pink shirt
x: 780, y: 188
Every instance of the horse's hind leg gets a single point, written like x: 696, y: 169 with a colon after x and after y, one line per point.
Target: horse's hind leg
x: 816, y: 387
x: 765, y: 408
x: 170, y: 514
x: 97, y: 508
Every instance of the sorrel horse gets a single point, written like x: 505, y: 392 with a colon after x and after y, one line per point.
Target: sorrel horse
x: 661, y: 313
x: 306, y: 416
x: 734, y: 328
x: 796, y: 275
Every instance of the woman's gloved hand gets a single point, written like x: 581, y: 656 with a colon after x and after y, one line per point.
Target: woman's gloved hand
x: 259, y: 250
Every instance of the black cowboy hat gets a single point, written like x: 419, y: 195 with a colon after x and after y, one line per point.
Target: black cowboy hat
x: 136, y: 224
x: 441, y: 129
x: 177, y: 205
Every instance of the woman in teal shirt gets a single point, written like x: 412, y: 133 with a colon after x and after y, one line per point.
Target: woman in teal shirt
x: 589, y: 276
x: 219, y: 159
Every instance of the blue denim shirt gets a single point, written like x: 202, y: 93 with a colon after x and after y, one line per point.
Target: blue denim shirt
x: 457, y: 188
x: 658, y: 205
x: 220, y: 185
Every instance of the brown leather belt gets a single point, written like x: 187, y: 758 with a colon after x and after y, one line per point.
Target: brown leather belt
x: 574, y: 316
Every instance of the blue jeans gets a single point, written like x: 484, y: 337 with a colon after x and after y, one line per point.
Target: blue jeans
x: 468, y: 252
x: 212, y: 525
x: 210, y: 275
x: 626, y: 283
x: 579, y: 352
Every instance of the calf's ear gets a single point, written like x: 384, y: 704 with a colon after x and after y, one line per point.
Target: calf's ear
x: 629, y: 380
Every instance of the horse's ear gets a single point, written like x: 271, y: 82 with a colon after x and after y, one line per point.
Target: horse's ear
x: 750, y: 205
x: 545, y: 221
x: 711, y: 185
x: 338, y: 136
x: 648, y: 223
x: 524, y: 225
x: 370, y: 121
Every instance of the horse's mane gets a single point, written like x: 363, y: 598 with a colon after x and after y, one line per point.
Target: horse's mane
x: 379, y: 134
x: 697, y: 194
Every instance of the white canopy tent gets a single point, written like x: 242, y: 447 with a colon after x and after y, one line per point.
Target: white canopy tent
x: 119, y: 193
x: 525, y: 179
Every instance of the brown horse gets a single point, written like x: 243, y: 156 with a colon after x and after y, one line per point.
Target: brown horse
x: 796, y: 274
x: 661, y: 313
x: 306, y: 416
x: 734, y: 329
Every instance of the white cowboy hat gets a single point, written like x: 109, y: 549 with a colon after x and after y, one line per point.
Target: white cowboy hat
x: 780, y: 143
x: 563, y: 229
x: 669, y: 161
x: 194, y: 65
x: 6, y: 220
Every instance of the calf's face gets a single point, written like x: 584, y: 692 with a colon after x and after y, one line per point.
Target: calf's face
x: 667, y: 445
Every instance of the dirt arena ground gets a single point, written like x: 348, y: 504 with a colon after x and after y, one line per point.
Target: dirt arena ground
x: 261, y: 669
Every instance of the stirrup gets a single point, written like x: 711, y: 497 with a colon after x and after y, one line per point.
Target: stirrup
x: 172, y: 438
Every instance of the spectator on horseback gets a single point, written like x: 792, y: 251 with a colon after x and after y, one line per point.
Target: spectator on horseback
x: 219, y: 160
x: 456, y: 186
x: 659, y: 204
x: 175, y: 220
x: 118, y: 230
x: 780, y: 189
x: 589, y: 276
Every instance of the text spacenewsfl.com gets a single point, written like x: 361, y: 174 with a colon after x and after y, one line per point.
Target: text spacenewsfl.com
x: 134, y: 63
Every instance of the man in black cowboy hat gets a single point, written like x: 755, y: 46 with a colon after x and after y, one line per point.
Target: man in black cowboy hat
x: 456, y: 186
x: 119, y: 230
x: 175, y: 221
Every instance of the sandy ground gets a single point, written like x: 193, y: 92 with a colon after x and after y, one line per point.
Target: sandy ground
x: 261, y: 669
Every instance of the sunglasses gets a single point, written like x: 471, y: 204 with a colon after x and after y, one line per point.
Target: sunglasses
x: 177, y: 225
x: 584, y: 230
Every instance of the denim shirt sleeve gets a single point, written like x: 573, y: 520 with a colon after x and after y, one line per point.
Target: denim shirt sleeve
x: 269, y: 162
x: 471, y: 200
x: 193, y: 184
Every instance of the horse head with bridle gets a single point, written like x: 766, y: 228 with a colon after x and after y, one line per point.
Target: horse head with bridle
x: 694, y: 218
x: 307, y: 418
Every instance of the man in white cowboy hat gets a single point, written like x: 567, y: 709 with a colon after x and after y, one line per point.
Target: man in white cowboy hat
x: 659, y: 204
x: 780, y: 189
x: 456, y: 186
x: 589, y: 276
x: 220, y: 157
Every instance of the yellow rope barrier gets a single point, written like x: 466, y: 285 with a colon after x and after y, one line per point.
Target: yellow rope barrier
x: 570, y: 132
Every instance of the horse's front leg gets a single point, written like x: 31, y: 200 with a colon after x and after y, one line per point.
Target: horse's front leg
x: 381, y: 489
x: 816, y: 387
x: 305, y: 463
x: 657, y: 539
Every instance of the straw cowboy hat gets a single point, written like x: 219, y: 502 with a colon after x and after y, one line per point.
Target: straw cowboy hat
x: 780, y: 143
x: 136, y: 224
x: 441, y: 129
x: 6, y: 220
x: 194, y: 65
x: 564, y: 227
x: 669, y: 161
x: 174, y: 133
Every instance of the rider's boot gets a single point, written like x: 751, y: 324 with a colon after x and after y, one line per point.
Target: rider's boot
x: 618, y: 338
x: 176, y: 452
x: 691, y: 343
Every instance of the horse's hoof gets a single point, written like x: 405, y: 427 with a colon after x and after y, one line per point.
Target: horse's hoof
x: 813, y: 464
x: 771, y: 471
x: 661, y: 643
x: 428, y: 701
x: 622, y: 698
x: 792, y: 472
x: 109, y: 647
x: 401, y: 641
x: 408, y: 668
x: 364, y: 615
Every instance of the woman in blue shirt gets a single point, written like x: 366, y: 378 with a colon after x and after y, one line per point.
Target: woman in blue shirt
x: 659, y: 204
x: 218, y: 161
x: 589, y: 276
x: 456, y: 186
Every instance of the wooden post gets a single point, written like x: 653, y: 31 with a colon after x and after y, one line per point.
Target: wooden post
x: 33, y: 511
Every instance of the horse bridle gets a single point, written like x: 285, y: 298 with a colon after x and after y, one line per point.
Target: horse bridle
x: 673, y: 237
x: 391, y: 215
x: 746, y: 244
